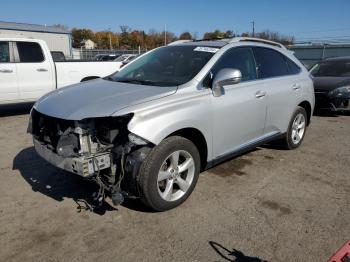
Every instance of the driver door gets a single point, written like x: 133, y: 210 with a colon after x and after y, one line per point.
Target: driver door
x: 239, y: 113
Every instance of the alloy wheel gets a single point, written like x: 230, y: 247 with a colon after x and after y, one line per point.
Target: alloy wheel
x: 298, y: 128
x: 176, y: 175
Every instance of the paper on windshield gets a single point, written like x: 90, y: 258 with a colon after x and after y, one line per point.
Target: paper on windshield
x: 206, y: 49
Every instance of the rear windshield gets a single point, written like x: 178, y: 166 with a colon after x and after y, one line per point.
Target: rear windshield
x: 332, y: 68
x: 166, y: 66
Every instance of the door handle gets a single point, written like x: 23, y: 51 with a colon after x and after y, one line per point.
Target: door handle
x: 260, y: 94
x: 296, y: 87
x: 6, y: 71
x: 41, y: 70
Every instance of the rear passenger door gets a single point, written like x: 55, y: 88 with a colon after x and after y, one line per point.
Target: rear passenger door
x: 8, y: 74
x: 34, y: 70
x: 282, y: 82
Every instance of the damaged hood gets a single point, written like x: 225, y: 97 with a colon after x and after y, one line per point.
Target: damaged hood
x: 97, y: 98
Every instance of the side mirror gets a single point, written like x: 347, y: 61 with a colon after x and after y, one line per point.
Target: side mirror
x: 225, y: 77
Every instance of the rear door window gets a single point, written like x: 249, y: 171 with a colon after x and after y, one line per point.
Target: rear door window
x: 270, y: 63
x: 4, y: 52
x: 30, y: 52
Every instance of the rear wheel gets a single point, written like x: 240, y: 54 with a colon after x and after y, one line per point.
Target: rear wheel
x: 296, y: 129
x: 169, y: 173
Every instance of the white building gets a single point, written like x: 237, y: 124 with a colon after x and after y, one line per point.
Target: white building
x: 88, y: 44
x: 56, y: 38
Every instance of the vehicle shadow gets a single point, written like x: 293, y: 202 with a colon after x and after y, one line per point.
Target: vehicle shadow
x: 233, y: 255
x: 58, y: 184
x: 15, y: 109
x: 328, y: 113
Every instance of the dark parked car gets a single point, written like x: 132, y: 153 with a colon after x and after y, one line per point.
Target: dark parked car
x: 332, y: 84
x: 106, y: 57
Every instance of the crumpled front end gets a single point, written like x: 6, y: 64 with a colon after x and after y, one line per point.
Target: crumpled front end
x: 101, y: 149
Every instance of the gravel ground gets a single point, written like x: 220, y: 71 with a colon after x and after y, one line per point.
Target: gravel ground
x: 268, y: 204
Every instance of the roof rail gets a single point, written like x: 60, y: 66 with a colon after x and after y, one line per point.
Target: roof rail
x: 258, y: 40
x: 179, y: 42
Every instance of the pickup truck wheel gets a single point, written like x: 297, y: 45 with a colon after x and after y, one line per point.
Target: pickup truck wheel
x: 169, y: 173
x: 296, y: 129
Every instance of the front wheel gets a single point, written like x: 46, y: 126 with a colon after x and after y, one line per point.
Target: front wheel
x: 169, y: 173
x: 296, y: 129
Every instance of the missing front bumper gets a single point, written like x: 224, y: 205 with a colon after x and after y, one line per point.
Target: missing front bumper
x: 85, y: 166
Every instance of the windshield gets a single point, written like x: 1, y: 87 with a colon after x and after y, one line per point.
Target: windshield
x: 331, y: 68
x: 166, y: 66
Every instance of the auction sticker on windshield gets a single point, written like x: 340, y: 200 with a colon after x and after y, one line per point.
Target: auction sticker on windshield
x: 206, y: 49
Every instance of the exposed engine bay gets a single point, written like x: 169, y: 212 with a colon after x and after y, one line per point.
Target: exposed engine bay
x: 100, y: 149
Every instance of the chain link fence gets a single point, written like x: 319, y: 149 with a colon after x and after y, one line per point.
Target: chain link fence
x: 90, y: 54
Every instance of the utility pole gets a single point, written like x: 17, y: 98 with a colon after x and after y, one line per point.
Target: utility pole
x: 253, y: 24
x: 110, y: 39
x: 165, y: 34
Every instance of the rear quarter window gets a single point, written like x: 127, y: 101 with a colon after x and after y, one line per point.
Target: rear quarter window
x: 30, y: 52
x: 270, y: 63
x: 293, y: 67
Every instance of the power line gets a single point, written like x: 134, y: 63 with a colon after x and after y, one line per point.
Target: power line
x: 320, y: 31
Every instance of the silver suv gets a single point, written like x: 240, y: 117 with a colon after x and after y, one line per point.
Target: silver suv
x: 148, y: 130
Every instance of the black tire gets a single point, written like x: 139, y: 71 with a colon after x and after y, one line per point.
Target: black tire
x: 287, y: 141
x: 148, y: 175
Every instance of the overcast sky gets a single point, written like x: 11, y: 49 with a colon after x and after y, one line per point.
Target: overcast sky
x: 303, y: 19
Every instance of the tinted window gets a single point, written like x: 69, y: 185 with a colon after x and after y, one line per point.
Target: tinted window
x: 29, y: 52
x: 332, y: 68
x: 108, y: 58
x: 58, y: 56
x: 166, y: 66
x: 4, y: 52
x: 270, y: 63
x: 293, y: 68
x: 238, y: 58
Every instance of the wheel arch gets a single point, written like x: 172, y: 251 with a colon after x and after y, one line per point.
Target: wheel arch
x: 307, y: 106
x: 198, y: 139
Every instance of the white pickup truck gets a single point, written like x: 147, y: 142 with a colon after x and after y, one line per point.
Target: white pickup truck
x: 27, y: 70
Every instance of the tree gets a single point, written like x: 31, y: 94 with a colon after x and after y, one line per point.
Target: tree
x: 137, y: 38
x: 104, y: 40
x: 185, y: 36
x: 273, y: 36
x: 217, y: 34
x: 79, y: 35
x: 229, y: 34
x: 125, y: 41
x: 170, y: 37
x: 131, y: 39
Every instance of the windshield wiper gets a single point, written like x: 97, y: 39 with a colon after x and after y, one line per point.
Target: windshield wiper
x: 136, y: 81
